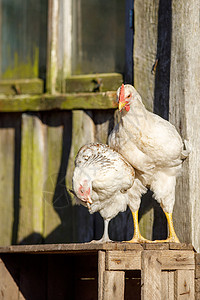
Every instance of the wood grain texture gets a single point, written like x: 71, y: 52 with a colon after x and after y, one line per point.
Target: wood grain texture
x: 101, y: 270
x: 150, y: 276
x: 8, y: 287
x: 184, y: 114
x: 145, y: 46
x: 184, y: 285
x: 31, y: 179
x: 113, y: 285
x: 7, y: 162
x: 47, y: 102
x: 119, y: 260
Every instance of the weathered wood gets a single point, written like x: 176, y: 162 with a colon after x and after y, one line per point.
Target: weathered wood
x: 93, y: 82
x: 8, y: 287
x: 113, y: 285
x: 167, y: 285
x: 184, y: 285
x: 172, y: 260
x: 8, y: 125
x: 197, y: 265
x: 58, y: 216
x: 22, y: 103
x: 21, y: 86
x: 150, y: 276
x: 101, y: 270
x: 145, y: 46
x: 59, y: 44
x: 184, y: 114
x: 31, y: 180
x: 54, y: 248
x: 119, y: 260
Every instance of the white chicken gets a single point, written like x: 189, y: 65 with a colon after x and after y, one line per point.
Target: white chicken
x: 104, y: 181
x: 152, y: 146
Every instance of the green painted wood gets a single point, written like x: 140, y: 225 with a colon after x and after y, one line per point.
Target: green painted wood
x: 7, y: 149
x: 23, y: 103
x: 59, y: 215
x: 93, y: 82
x: 21, y: 86
x: 31, y: 180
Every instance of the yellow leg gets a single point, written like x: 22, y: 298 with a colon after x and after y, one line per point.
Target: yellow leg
x: 172, y: 237
x: 137, y: 237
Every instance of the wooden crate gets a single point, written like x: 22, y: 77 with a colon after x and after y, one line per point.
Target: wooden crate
x: 98, y: 271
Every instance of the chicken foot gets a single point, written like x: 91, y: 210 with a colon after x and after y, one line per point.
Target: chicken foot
x: 172, y: 237
x: 137, y: 237
x: 105, y: 238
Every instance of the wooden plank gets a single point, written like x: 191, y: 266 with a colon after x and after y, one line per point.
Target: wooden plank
x: 58, y: 248
x: 101, y: 270
x: 82, y: 133
x: 57, y: 129
x: 7, y: 193
x: 150, y: 276
x: 46, y: 102
x: 145, y: 47
x: 8, y: 287
x: 59, y: 44
x: 172, y: 260
x: 113, y: 285
x: 184, y: 285
x: 93, y: 82
x: 167, y: 285
x: 31, y: 181
x: 197, y: 265
x: 184, y: 107
x: 156, y: 246
x: 21, y: 86
x: 127, y: 260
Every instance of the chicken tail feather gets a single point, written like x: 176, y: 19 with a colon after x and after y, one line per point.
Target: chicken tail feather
x: 185, y: 153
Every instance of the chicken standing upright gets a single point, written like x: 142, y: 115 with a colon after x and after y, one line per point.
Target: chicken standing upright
x: 103, y: 181
x: 152, y: 146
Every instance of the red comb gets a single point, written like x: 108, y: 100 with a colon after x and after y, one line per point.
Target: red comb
x: 121, y: 94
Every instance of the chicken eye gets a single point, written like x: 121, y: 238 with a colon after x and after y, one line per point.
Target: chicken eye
x: 129, y: 96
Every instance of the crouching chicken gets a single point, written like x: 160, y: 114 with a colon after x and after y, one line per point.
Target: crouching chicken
x: 152, y: 146
x: 104, y: 181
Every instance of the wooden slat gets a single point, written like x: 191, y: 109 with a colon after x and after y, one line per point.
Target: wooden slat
x: 172, y: 260
x: 167, y: 285
x: 101, y: 270
x: 184, y: 106
x: 21, y: 86
x: 58, y: 248
x: 22, y: 103
x: 31, y: 180
x: 184, y: 285
x: 7, y: 163
x: 55, y: 200
x: 113, y: 285
x: 8, y: 287
x: 89, y: 82
x: 150, y: 276
x: 119, y: 260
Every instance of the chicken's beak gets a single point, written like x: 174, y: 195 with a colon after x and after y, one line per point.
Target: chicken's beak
x: 121, y: 105
x: 89, y: 200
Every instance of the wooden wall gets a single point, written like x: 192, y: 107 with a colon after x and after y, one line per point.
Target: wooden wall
x: 40, y: 135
